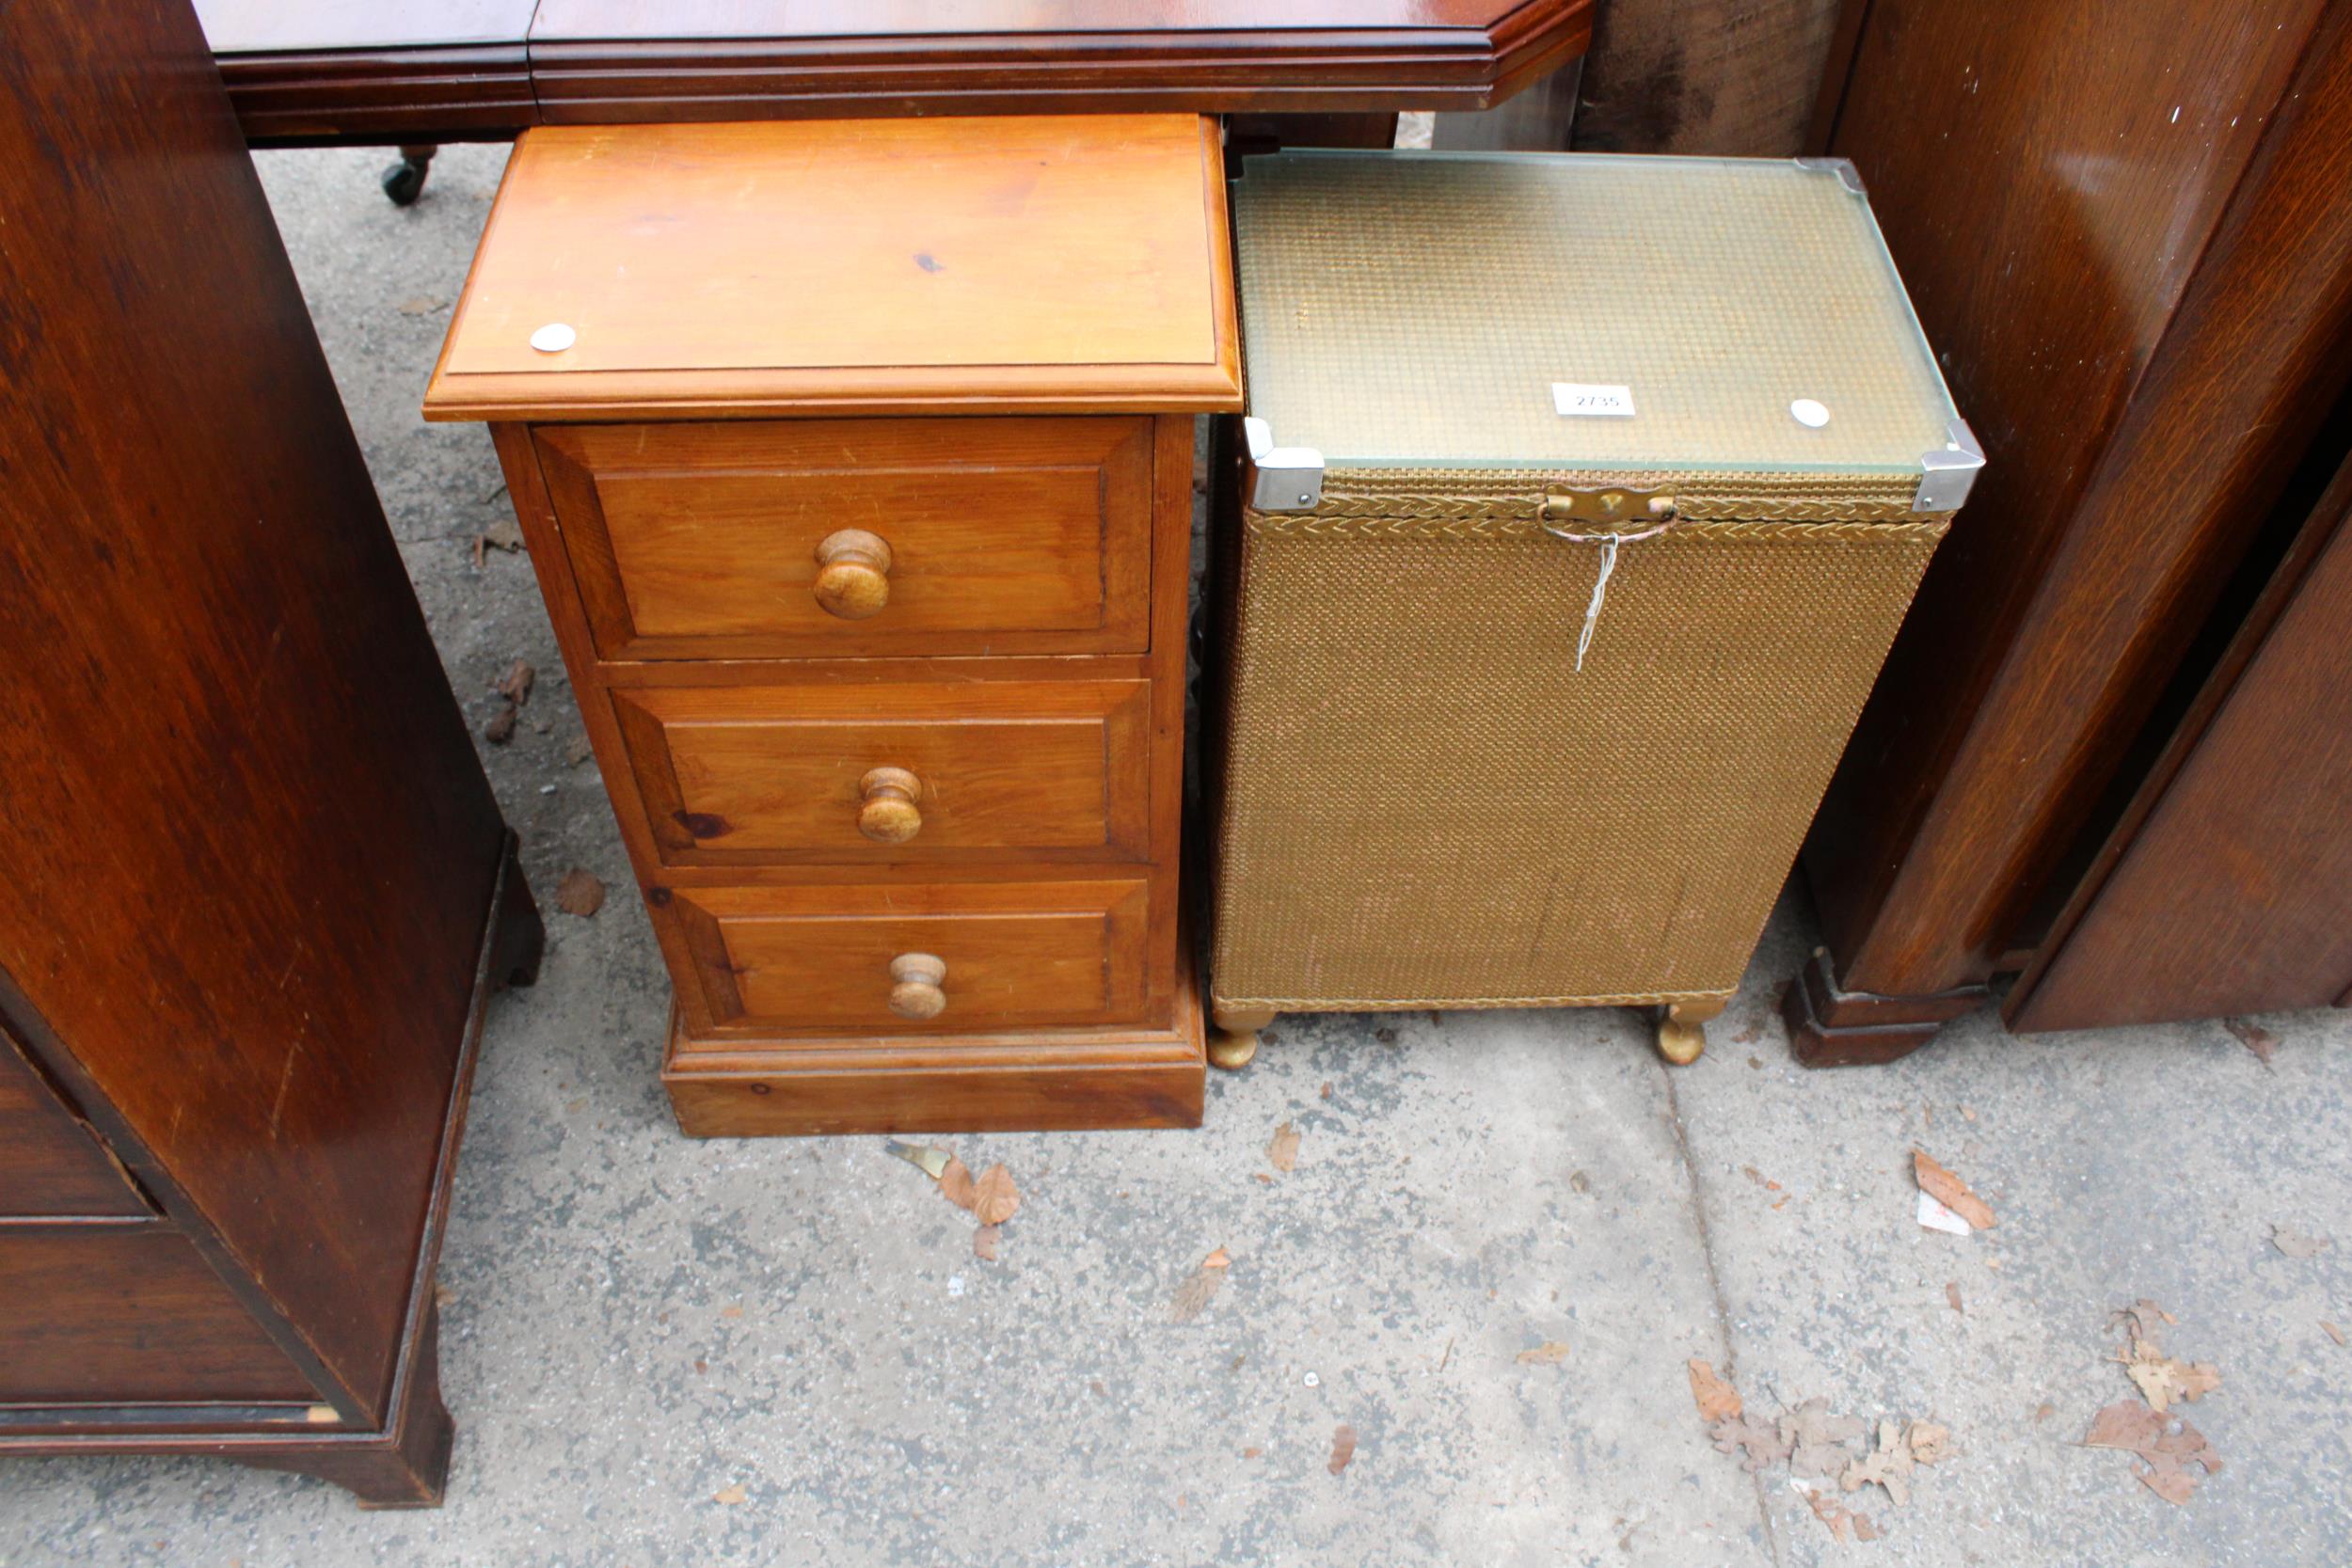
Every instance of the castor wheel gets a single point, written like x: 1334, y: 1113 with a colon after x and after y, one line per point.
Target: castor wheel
x: 1234, y: 1042
x: 404, y: 180
x: 1682, y: 1029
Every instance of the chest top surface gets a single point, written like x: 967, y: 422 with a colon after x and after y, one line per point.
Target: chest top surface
x: 1066, y: 263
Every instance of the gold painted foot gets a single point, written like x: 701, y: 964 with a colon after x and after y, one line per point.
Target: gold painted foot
x: 1235, y: 1043
x: 1682, y: 1029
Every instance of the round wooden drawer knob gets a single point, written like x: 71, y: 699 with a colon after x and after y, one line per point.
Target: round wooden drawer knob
x: 917, y: 982
x: 889, y: 813
x: 853, y: 574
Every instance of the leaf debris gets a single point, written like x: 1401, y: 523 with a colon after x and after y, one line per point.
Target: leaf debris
x: 1282, y: 1153
x: 1950, y: 1191
x: 1343, y: 1447
x: 1716, y: 1399
x: 2261, y: 1041
x: 1549, y: 1353
x: 2298, y: 1244
x: 580, y: 892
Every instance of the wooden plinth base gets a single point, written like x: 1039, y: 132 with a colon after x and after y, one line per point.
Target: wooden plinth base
x: 1042, y: 1080
x: 1831, y: 1026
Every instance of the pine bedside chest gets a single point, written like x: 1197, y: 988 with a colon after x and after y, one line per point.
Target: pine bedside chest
x: 856, y: 461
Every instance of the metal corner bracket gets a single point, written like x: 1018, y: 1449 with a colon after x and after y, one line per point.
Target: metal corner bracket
x: 1947, y: 474
x: 1842, y: 167
x: 1279, y: 479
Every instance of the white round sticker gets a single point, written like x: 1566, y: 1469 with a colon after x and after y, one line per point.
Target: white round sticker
x: 555, y: 337
x: 1812, y: 415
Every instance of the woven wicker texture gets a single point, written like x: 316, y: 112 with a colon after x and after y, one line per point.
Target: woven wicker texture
x: 1426, y: 802
x: 1417, y: 309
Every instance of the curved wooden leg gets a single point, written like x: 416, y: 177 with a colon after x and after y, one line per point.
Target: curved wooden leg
x: 1682, y: 1028
x: 1236, y: 1042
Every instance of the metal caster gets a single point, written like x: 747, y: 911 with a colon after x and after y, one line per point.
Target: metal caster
x: 404, y: 180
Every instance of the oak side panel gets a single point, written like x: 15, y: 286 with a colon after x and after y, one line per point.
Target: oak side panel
x: 251, y: 848
x: 1721, y: 78
x: 2142, y: 353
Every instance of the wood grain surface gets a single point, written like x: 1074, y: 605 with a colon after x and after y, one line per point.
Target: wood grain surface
x: 700, y: 541
x: 900, y: 265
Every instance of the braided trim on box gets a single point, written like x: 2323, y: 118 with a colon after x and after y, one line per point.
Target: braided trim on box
x: 1323, y: 525
x: 1359, y: 1004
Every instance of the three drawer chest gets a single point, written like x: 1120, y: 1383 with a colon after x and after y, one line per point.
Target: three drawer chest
x: 856, y: 461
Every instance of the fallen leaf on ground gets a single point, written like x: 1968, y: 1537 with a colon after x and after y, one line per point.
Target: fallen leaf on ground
x: 730, y: 1311
x: 2160, y: 1379
x: 1838, y: 1517
x: 500, y: 729
x: 2331, y: 1331
x: 2175, y: 1456
x: 2296, y: 1244
x: 580, y: 892
x: 1716, y: 1399
x: 1194, y: 1294
x: 984, y: 1243
x: 2044, y: 1411
x: 514, y: 686
x: 1888, y: 1464
x: 1217, y: 1259
x: 1252, y: 1453
x: 1549, y: 1353
x: 926, y: 1158
x: 1817, y: 1440
x: 1951, y: 1293
x: 956, y: 1185
x: 1579, y: 1182
x: 579, y: 751
x: 1760, y: 1440
x: 1950, y: 1191
x: 731, y: 1495
x: 505, y: 535
x: 2253, y: 1036
x: 1282, y: 1153
x: 1760, y: 1179
x: 994, y: 1199
x: 421, y: 305
x: 1343, y: 1447
x: 1930, y: 1444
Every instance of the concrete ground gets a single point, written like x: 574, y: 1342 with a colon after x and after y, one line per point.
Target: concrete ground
x: 668, y: 1353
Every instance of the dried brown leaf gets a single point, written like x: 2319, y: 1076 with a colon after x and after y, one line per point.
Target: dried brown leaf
x: 1282, y: 1153
x: 1760, y: 1438
x: 500, y: 729
x: 1839, y: 1518
x: 984, y: 1243
x: 1817, y: 1440
x: 1930, y: 1444
x: 1951, y: 1293
x: 1194, y: 1295
x: 2298, y: 1244
x: 505, y: 535
x: 1716, y: 1399
x: 579, y: 751
x: 514, y: 686
x: 1343, y: 1447
x: 1950, y: 1191
x: 1549, y: 1353
x: 1217, y: 1259
x: 994, y: 1199
x: 956, y: 1185
x: 580, y: 892
x: 2331, y: 1331
x: 2261, y: 1041
x: 422, y: 304
x: 2124, y: 1424
x: 1888, y: 1464
x: 927, y: 1158
x: 2162, y: 1381
x: 731, y: 1495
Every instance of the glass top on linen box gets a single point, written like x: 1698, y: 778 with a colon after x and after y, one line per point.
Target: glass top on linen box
x: 1564, y: 311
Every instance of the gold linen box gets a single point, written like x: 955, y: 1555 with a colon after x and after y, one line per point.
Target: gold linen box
x: 1578, y: 504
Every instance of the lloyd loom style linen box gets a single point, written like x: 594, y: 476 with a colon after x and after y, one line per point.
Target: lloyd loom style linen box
x: 1578, y: 504
x: 855, y: 462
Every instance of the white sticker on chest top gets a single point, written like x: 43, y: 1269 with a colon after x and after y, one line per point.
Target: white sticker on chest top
x: 1576, y: 400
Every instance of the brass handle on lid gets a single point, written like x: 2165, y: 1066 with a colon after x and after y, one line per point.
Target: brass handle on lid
x: 889, y: 813
x: 917, y: 982
x: 853, y: 574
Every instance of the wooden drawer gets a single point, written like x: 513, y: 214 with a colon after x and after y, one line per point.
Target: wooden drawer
x: 818, y: 959
x: 50, y: 1161
x: 1001, y: 770
x: 1004, y: 535
x: 127, y: 1314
